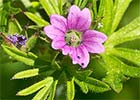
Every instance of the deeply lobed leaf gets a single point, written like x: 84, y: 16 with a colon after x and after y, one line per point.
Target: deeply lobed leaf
x: 46, y: 82
x: 19, y: 55
x: 105, y: 11
x: 70, y: 89
x: 50, y: 7
x: 52, y: 91
x: 116, y: 70
x: 26, y: 74
x: 119, y: 9
x: 43, y: 93
x: 127, y: 33
x: 128, y: 54
x: 39, y: 21
x: 92, y: 84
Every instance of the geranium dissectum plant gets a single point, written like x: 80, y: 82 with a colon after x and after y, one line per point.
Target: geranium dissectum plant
x: 73, y: 36
x: 89, y: 48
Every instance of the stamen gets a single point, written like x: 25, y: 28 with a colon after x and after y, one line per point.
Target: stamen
x: 73, y: 38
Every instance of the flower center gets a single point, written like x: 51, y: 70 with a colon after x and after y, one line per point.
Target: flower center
x: 73, y: 38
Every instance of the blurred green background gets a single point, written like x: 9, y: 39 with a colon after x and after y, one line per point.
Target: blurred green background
x: 9, y: 88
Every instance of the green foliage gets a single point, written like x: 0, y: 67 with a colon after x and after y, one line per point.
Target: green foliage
x: 31, y: 42
x: 82, y: 85
x: 105, y: 11
x: 128, y: 54
x: 52, y: 91
x: 39, y: 21
x: 81, y: 3
x: 39, y: 96
x: 119, y: 9
x: 14, y: 26
x: 116, y: 70
x: 20, y: 55
x: 112, y: 13
x: 26, y: 74
x: 46, y: 82
x: 93, y: 85
x: 127, y: 33
x: 49, y: 7
x: 70, y: 89
x: 5, y: 11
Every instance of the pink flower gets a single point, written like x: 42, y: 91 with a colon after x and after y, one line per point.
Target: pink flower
x: 73, y: 36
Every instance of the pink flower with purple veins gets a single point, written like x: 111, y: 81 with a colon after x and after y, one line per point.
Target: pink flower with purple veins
x: 73, y: 36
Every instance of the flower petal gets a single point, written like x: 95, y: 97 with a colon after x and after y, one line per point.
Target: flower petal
x: 73, y: 16
x: 94, y: 35
x: 52, y: 32
x: 84, y: 56
x: 73, y: 55
x: 80, y: 56
x: 84, y: 20
x: 66, y: 50
x: 59, y: 22
x: 58, y: 43
x: 94, y: 46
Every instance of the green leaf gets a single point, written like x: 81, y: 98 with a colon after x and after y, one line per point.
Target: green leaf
x: 31, y: 42
x: 92, y: 84
x: 52, y: 91
x: 46, y: 82
x: 39, y: 21
x: 70, y: 89
x: 1, y: 3
x: 48, y: 7
x: 105, y: 11
x: 101, y: 7
x: 60, y: 5
x: 19, y: 55
x: 3, y: 20
x: 83, y: 4
x: 76, y: 2
x: 116, y: 70
x: 82, y: 85
x: 114, y: 76
x: 41, y: 93
x: 94, y: 2
x: 14, y: 27
x: 131, y: 71
x: 55, y: 5
x: 119, y: 9
x: 129, y: 54
x: 127, y: 33
x: 26, y: 74
x: 46, y: 95
x: 114, y: 80
x: 96, y: 85
x: 84, y: 73
x: 26, y: 3
x: 35, y: 4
